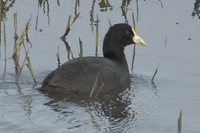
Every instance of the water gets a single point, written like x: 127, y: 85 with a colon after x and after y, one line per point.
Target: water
x: 172, y: 37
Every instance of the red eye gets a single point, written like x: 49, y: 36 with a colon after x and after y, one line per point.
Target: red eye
x: 127, y: 33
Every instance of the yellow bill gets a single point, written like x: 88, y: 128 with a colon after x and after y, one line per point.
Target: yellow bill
x: 137, y: 39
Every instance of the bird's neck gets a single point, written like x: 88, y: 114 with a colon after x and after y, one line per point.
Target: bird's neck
x: 114, y: 51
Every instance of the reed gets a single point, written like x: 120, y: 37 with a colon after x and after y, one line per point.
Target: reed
x: 45, y: 5
x: 138, y: 11
x: 92, y: 14
x: 105, y: 5
x: 179, y: 123
x: 109, y: 21
x: 81, y: 47
x: 30, y: 68
x: 16, y: 53
x: 134, y: 47
x: 4, y: 8
x: 5, y: 49
x: 77, y: 4
x: 37, y: 17
x: 58, y: 56
x: 63, y: 38
x: 166, y: 40
x: 97, y: 35
x: 1, y: 19
x: 161, y: 3
x: 94, y: 86
x: 0, y: 40
x: 124, y: 9
x: 19, y: 42
x: 58, y: 2
x: 156, y: 71
x: 133, y: 57
x: 4, y: 38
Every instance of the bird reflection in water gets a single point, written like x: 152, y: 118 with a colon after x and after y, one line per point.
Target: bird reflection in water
x: 112, y: 105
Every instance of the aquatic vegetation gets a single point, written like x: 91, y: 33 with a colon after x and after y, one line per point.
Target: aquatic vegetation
x: 161, y: 3
x: 134, y: 47
x: 196, y: 10
x: 92, y: 14
x: 179, y: 123
x: 4, y: 8
x: 63, y: 37
x: 148, y: 102
x: 152, y: 79
x: 105, y: 5
x: 45, y: 5
x: 124, y: 9
x: 58, y: 56
x: 125, y: 3
x: 94, y: 86
x: 77, y: 4
x: 22, y: 40
x: 97, y: 35
x: 81, y: 47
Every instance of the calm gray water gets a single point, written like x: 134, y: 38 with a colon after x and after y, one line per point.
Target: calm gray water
x: 172, y: 37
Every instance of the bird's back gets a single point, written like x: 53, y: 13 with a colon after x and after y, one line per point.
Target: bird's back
x: 83, y: 74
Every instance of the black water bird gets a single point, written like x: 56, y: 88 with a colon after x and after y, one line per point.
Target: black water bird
x: 87, y: 74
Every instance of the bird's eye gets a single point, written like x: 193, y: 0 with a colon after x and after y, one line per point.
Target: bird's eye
x: 129, y: 34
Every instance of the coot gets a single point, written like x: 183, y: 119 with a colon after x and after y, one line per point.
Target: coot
x: 97, y: 74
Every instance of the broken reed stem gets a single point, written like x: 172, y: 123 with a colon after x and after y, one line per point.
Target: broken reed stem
x: 110, y: 22
x: 77, y: 4
x: 92, y: 14
x: 58, y: 56
x: 15, y: 26
x: 94, y: 86
x: 133, y: 17
x: 133, y: 58
x: 63, y: 37
x: 81, y: 47
x: 48, y: 9
x: 4, y: 34
x: 124, y: 8
x: 68, y: 27
x: 98, y: 91
x: 166, y: 40
x: 30, y: 68
x: 138, y: 15
x: 156, y: 71
x: 19, y: 41
x: 0, y: 39
x: 97, y: 36
x: 75, y: 18
x: 161, y: 3
x: 18, y: 75
x: 134, y: 47
x: 179, y: 123
x: 16, y: 53
x: 37, y: 17
x: 5, y: 69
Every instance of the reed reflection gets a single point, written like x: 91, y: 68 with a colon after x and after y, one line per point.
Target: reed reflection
x: 45, y: 5
x: 105, y: 5
x: 112, y: 105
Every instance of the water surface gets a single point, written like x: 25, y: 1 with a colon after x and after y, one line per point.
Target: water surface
x: 172, y: 37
